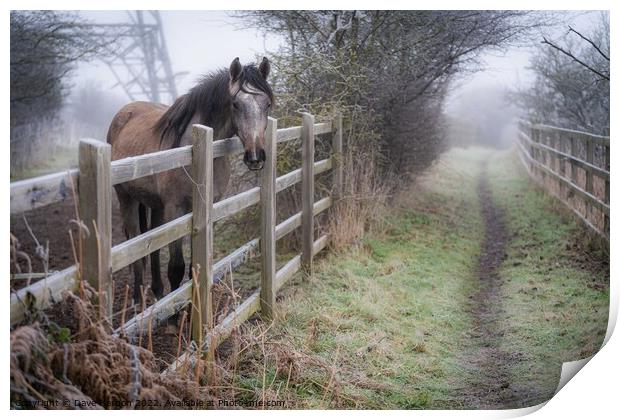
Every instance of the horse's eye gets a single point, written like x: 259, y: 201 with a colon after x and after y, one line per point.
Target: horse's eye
x: 235, y: 105
x: 269, y: 105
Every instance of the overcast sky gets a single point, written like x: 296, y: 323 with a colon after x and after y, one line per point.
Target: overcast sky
x: 198, y: 42
x: 508, y: 70
x: 201, y: 41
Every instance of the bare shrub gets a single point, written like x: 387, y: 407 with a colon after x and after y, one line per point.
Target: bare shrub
x: 364, y: 199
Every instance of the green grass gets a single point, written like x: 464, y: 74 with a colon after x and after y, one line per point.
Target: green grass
x: 58, y: 159
x: 556, y: 300
x: 385, y: 325
x: 384, y: 318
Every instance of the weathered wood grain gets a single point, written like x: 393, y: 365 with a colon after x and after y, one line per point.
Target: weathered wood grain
x: 337, y: 158
x: 268, y: 223
x: 202, y: 231
x: 135, y: 167
x: 322, y: 128
x: 176, y: 300
x: 234, y: 204
x: 586, y: 166
x: 529, y: 161
x: 43, y: 293
x: 290, y: 133
x: 247, y: 308
x: 287, y: 271
x: 144, y: 244
x: 41, y: 191
x: 307, y: 191
x: 579, y: 135
x: 287, y: 180
x: 293, y: 222
x: 153, y: 316
x: 95, y: 203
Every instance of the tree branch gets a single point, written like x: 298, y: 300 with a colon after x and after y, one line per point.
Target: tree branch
x: 569, y: 54
x: 589, y: 41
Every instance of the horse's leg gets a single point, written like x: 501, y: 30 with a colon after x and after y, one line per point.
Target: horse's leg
x: 130, y: 213
x: 176, y: 264
x: 144, y: 223
x: 144, y: 226
x: 157, y: 216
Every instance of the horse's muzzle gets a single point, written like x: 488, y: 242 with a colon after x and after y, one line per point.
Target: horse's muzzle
x: 255, y: 161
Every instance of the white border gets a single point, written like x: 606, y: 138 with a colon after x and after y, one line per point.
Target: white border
x: 593, y: 393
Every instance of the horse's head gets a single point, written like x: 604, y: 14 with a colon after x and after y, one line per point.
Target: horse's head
x: 251, y: 100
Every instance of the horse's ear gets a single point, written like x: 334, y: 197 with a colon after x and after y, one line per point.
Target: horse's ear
x: 264, y: 68
x: 235, y: 70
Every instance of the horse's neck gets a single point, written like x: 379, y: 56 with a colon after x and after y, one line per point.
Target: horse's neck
x: 221, y: 165
x: 222, y: 130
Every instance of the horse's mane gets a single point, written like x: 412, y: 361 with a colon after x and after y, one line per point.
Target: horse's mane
x: 211, y: 99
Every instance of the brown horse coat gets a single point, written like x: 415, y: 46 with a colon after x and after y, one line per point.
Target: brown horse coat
x: 233, y: 102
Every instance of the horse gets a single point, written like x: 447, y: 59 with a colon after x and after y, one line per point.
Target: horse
x: 233, y: 101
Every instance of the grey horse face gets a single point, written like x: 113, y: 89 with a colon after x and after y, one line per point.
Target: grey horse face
x: 250, y: 109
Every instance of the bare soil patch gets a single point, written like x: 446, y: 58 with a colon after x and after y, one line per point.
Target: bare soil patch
x: 489, y: 386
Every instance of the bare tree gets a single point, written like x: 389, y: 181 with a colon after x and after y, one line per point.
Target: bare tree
x: 394, y: 67
x: 45, y: 46
x: 571, y: 88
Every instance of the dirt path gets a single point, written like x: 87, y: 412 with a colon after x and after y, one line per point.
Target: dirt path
x: 489, y: 385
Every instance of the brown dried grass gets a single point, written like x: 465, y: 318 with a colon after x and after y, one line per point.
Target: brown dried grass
x: 49, y: 367
x: 364, y: 200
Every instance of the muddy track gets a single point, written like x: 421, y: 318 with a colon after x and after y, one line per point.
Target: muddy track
x: 489, y: 385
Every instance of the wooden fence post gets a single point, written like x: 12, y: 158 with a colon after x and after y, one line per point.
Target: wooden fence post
x: 95, y: 204
x: 536, y: 155
x: 606, y: 216
x: 307, y: 191
x: 337, y: 158
x: 202, y: 234
x: 562, y: 165
x: 573, y: 153
x: 589, y: 188
x: 533, y: 135
x: 544, y: 156
x: 268, y: 222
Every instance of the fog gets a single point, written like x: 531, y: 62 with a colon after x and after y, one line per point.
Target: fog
x: 478, y: 108
x: 202, y: 41
x: 197, y: 41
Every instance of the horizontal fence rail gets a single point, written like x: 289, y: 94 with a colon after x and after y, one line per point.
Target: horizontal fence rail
x: 247, y: 308
x: 178, y: 299
x: 30, y: 194
x: 98, y: 176
x: 573, y: 166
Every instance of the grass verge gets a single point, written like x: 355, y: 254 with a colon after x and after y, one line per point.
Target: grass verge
x: 555, y: 283
x: 381, y: 325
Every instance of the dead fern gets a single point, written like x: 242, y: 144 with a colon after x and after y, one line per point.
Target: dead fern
x: 54, y: 366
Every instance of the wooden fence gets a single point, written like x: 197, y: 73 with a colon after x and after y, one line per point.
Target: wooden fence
x: 572, y: 165
x: 94, y: 180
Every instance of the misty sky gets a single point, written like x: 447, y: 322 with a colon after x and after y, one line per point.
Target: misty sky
x: 201, y: 41
x: 197, y: 42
